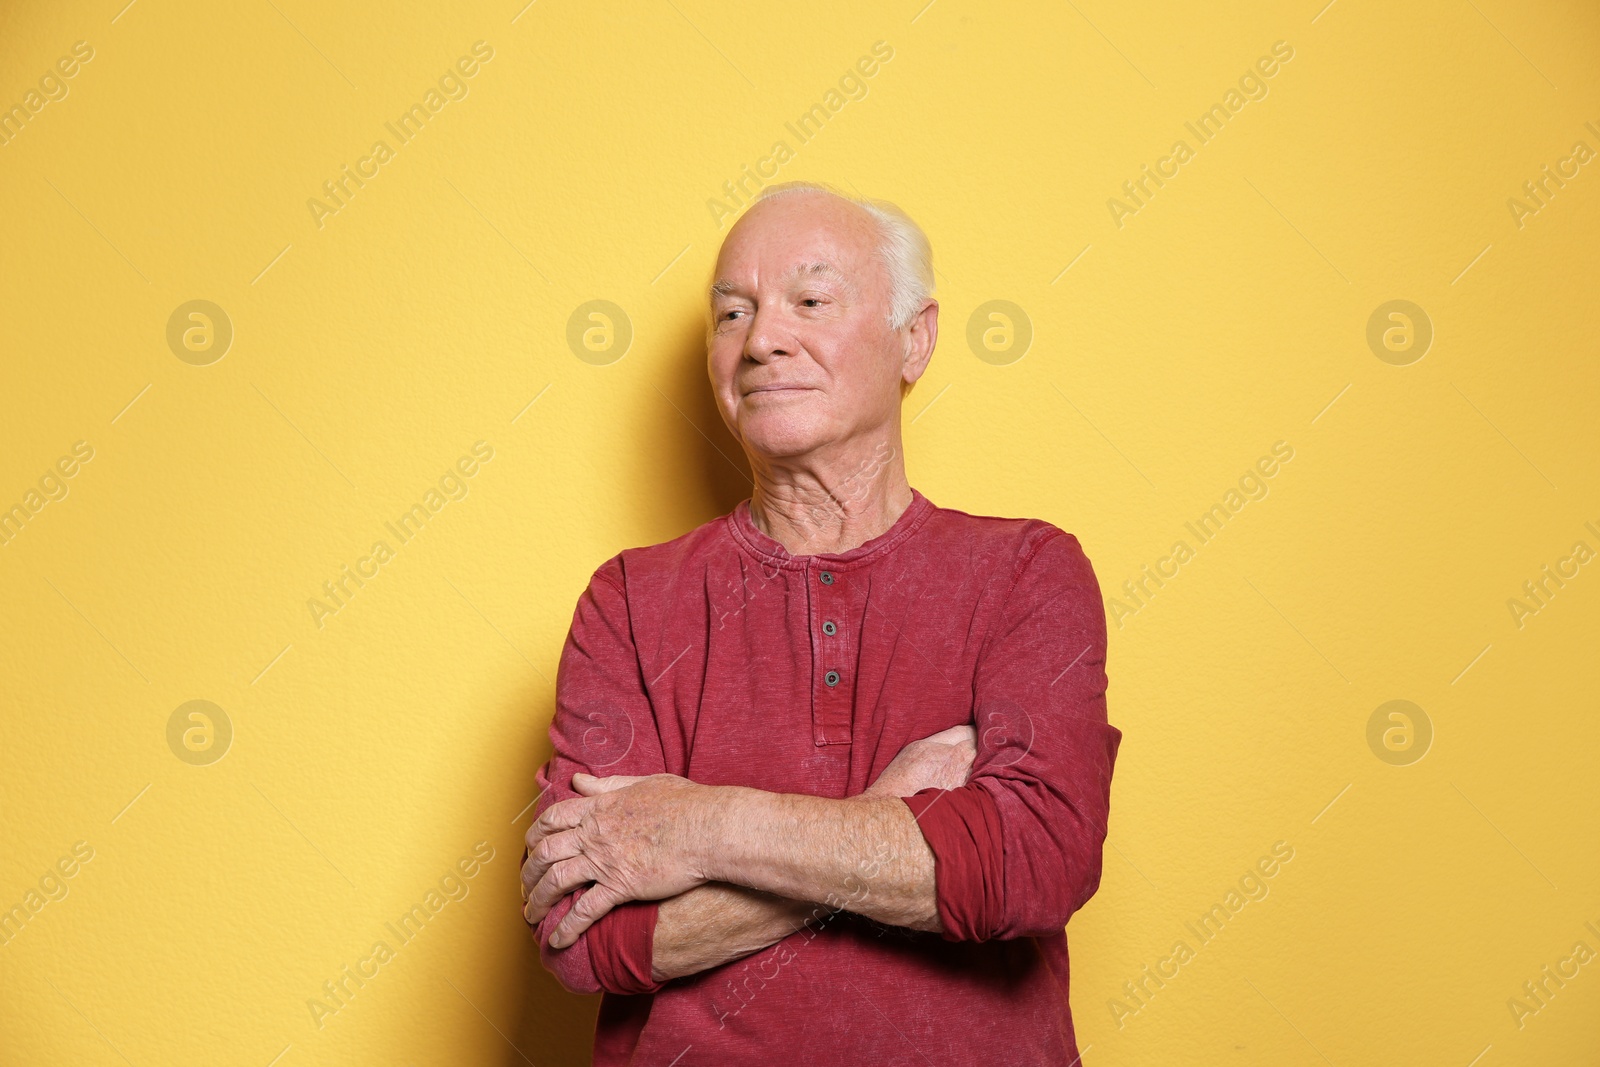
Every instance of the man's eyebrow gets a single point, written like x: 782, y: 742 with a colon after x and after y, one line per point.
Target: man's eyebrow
x: 821, y: 269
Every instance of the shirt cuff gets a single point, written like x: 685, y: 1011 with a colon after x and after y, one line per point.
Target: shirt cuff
x: 622, y: 945
x: 962, y: 828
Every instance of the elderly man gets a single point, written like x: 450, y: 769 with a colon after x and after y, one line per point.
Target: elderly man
x: 831, y: 771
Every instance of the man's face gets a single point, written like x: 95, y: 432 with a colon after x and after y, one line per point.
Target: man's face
x: 800, y: 351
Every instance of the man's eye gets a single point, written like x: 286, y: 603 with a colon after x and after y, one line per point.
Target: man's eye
x: 811, y: 301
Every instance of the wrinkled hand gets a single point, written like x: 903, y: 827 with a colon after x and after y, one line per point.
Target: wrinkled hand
x: 635, y: 838
x: 939, y: 761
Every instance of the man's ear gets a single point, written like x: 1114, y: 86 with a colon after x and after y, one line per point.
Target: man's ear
x: 921, y: 336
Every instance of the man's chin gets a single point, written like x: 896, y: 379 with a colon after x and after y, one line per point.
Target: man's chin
x: 781, y: 438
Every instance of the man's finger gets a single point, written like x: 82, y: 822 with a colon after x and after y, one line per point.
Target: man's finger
x: 557, y: 817
x: 550, y: 851
x: 589, y: 785
x: 561, y: 879
x: 531, y: 839
x: 595, y: 902
x: 954, y: 735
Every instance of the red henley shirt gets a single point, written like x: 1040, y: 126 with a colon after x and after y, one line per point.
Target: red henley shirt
x: 721, y: 657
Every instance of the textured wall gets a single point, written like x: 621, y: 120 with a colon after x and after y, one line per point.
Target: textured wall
x: 253, y: 315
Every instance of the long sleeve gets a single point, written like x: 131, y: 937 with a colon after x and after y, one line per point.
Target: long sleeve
x: 1017, y: 849
x: 604, y: 724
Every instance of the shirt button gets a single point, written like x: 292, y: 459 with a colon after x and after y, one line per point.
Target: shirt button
x: 832, y: 678
x: 829, y: 628
x: 826, y: 577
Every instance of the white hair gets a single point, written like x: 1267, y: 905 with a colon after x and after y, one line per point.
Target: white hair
x: 902, y: 246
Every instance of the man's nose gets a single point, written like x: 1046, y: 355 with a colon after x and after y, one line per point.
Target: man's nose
x: 767, y: 337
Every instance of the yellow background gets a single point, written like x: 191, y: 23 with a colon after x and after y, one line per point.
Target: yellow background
x: 371, y: 753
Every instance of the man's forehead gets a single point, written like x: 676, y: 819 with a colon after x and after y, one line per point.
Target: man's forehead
x: 824, y: 235
x: 802, y: 270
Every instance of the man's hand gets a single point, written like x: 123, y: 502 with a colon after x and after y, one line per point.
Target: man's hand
x: 635, y: 838
x: 641, y: 838
x: 939, y: 761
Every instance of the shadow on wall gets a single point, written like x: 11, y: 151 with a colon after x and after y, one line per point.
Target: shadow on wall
x: 694, y: 472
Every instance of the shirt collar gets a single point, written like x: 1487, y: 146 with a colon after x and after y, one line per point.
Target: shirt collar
x: 768, y: 548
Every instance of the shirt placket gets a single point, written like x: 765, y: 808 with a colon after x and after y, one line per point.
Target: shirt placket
x: 832, y: 662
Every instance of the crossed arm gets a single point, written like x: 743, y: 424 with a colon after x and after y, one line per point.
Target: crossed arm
x: 737, y: 869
